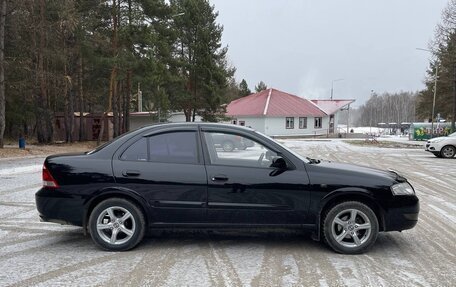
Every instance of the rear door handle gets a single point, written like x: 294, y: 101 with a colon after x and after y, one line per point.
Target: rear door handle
x: 131, y: 173
x: 219, y: 177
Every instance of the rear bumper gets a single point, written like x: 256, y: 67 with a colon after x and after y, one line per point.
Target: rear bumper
x: 58, y: 207
x: 403, y: 217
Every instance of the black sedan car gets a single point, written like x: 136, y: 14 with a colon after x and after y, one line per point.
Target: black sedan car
x: 175, y: 176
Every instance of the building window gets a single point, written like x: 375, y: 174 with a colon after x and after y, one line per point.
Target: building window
x: 289, y: 123
x: 302, y: 122
x: 318, y: 123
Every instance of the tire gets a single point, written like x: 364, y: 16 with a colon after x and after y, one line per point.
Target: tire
x: 338, y: 221
x: 228, y: 146
x: 120, y: 216
x: 448, y: 151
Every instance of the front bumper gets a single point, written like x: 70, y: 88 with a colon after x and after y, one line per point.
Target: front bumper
x: 58, y: 207
x: 403, y: 214
x: 433, y: 147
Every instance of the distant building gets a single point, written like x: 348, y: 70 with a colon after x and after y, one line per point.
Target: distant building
x: 278, y: 113
x: 91, y: 124
x: 332, y: 108
x: 139, y: 119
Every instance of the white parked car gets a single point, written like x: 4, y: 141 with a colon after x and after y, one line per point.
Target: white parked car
x: 442, y: 146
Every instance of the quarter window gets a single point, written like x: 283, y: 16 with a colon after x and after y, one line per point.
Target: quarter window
x: 303, y: 123
x: 318, y: 123
x: 136, y: 152
x: 289, y: 123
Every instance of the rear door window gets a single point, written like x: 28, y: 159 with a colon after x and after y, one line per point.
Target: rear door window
x: 176, y: 147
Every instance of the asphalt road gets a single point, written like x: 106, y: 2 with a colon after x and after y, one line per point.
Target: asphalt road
x: 33, y: 253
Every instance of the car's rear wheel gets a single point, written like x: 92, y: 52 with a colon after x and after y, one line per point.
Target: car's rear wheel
x: 448, y: 151
x: 228, y: 146
x: 350, y: 227
x: 117, y: 224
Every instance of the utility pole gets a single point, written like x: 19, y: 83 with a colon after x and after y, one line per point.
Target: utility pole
x: 139, y: 98
x: 433, y: 101
x: 435, y: 92
x: 348, y: 120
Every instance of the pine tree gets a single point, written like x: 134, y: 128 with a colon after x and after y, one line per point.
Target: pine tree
x: 260, y: 87
x: 244, y: 89
x: 202, y: 63
x: 2, y: 70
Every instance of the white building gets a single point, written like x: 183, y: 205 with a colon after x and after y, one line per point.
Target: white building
x: 140, y: 119
x: 277, y: 113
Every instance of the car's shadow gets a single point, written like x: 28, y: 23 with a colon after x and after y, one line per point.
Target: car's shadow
x: 290, y: 240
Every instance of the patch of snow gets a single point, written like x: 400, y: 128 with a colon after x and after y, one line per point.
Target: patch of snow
x: 245, y: 258
x: 20, y: 169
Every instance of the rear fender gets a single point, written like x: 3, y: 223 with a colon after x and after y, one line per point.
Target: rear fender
x: 110, y: 192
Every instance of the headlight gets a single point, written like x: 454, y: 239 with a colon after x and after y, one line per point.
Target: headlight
x: 403, y: 188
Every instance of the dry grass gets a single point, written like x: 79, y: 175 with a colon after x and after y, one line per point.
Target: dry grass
x: 11, y: 151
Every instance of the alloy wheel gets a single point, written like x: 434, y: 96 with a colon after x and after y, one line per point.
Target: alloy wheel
x: 351, y: 228
x: 116, y: 225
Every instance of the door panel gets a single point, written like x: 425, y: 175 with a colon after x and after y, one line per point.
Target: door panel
x: 257, y: 196
x: 167, y: 171
x: 243, y: 189
x: 175, y: 192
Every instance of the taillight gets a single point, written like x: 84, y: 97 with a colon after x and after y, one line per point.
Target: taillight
x: 48, y: 180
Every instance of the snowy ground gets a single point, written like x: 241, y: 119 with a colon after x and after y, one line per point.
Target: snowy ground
x: 44, y: 254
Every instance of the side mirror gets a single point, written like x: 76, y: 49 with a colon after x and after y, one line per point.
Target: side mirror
x: 269, y: 155
x: 279, y: 163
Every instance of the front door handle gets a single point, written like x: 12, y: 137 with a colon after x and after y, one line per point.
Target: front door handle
x: 131, y: 173
x: 219, y: 177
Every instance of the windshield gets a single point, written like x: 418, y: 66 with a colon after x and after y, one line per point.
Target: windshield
x: 304, y: 159
x: 452, y: 135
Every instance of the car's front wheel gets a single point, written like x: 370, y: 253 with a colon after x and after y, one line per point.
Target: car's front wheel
x: 448, y: 151
x: 350, y: 227
x: 117, y: 224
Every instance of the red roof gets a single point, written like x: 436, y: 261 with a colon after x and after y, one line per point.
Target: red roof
x: 273, y: 103
x: 332, y: 106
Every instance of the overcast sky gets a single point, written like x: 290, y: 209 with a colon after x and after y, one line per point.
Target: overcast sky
x: 300, y: 46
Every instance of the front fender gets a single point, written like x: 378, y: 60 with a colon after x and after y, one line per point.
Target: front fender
x: 348, y: 194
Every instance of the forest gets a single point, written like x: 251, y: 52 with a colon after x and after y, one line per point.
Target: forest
x: 71, y: 56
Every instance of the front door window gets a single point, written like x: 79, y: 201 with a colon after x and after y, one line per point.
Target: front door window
x: 236, y: 150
